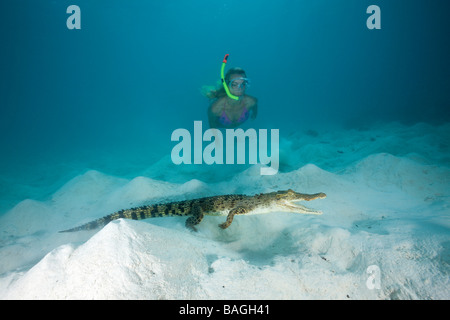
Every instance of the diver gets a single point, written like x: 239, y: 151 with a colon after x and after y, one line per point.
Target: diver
x: 231, y: 106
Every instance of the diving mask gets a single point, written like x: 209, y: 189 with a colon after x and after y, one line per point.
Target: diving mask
x: 239, y: 83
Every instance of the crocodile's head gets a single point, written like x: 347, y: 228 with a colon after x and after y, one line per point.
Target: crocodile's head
x: 286, y: 201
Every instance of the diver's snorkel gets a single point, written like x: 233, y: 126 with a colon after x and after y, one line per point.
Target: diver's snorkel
x: 225, y: 86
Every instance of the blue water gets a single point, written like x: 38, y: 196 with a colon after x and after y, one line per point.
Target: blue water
x: 108, y: 96
x: 86, y: 118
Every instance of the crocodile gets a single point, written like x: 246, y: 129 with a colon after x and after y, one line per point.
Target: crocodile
x: 223, y: 205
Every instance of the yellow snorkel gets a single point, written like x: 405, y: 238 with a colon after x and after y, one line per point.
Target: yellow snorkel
x: 225, y: 86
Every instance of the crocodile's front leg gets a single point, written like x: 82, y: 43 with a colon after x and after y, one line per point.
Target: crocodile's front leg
x: 196, y: 218
x: 237, y: 210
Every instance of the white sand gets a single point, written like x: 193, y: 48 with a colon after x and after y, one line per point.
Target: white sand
x: 388, y: 206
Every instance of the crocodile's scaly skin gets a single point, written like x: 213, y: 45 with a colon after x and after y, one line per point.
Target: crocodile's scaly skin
x: 224, y: 205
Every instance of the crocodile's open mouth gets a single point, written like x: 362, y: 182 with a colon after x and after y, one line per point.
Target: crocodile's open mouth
x: 295, y: 207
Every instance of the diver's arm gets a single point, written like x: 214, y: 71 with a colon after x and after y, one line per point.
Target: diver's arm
x: 254, y: 109
x: 212, y: 120
x: 212, y: 117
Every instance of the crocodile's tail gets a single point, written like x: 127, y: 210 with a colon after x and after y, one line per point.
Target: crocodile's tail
x: 134, y: 213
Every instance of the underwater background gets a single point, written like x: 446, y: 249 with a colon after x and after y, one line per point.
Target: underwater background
x: 102, y: 101
x: 133, y: 73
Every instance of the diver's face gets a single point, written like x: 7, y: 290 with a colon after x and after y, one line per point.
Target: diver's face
x: 237, y: 85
